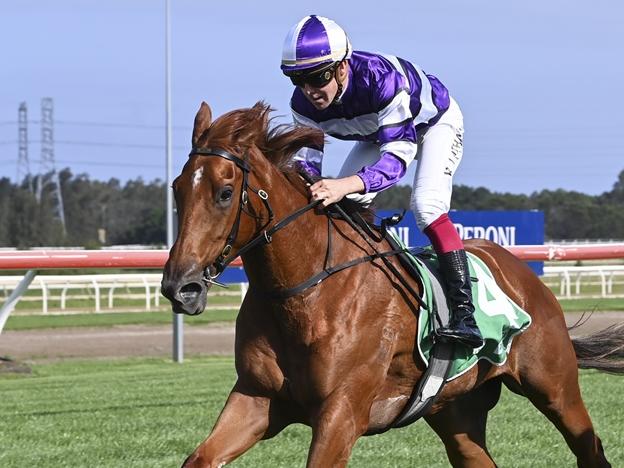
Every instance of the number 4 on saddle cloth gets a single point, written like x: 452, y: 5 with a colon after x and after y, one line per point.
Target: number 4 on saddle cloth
x: 498, y: 317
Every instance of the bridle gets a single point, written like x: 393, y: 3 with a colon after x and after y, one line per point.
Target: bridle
x: 266, y: 236
x: 213, y: 271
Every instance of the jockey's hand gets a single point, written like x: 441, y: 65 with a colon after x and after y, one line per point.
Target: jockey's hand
x: 334, y: 190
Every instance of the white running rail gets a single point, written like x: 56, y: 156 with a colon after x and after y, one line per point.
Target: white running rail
x: 569, y: 274
x: 97, y: 286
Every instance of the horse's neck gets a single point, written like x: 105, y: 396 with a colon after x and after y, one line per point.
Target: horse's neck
x: 295, y: 252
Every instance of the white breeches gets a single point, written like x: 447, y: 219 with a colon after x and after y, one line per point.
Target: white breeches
x: 440, y: 151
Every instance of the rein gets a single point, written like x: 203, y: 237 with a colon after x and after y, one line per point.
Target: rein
x: 266, y: 236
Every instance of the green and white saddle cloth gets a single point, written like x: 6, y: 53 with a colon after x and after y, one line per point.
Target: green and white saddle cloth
x: 498, y: 317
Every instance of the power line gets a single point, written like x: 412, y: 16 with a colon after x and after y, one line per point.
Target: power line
x: 603, y: 150
x: 108, y: 145
x: 99, y: 144
x: 89, y: 163
x: 110, y: 163
x: 76, y: 123
x: 115, y: 145
x: 119, y: 125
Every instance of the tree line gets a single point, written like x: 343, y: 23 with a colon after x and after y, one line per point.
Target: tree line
x: 111, y: 213
x: 96, y: 213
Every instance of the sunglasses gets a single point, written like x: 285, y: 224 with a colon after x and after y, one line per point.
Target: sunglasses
x: 316, y: 79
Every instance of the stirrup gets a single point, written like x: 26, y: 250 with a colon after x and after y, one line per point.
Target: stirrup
x: 471, y: 340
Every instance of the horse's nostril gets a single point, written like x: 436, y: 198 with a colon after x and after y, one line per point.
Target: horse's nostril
x: 190, y: 291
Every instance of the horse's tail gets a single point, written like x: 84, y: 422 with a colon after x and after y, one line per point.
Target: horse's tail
x: 602, y: 350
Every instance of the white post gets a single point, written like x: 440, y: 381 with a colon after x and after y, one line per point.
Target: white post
x: 578, y: 283
x: 64, y: 296
x: 96, y: 290
x: 568, y: 286
x: 157, y: 296
x: 44, y: 296
x: 148, y: 299
x: 111, y: 293
x: 178, y: 323
x: 15, y: 296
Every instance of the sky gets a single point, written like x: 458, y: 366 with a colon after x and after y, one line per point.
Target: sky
x: 540, y: 83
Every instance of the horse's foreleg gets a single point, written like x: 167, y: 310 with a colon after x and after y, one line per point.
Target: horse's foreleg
x: 335, y: 430
x: 243, y: 421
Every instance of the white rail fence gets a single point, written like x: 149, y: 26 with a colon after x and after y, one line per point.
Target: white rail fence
x: 35, y: 261
x: 73, y: 287
x: 104, y: 289
x: 97, y: 288
x: 604, y: 275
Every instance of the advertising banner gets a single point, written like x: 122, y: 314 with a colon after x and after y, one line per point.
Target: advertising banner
x: 502, y: 227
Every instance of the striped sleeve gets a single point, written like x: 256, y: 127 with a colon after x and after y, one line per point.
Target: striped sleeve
x: 396, y: 134
x: 386, y: 172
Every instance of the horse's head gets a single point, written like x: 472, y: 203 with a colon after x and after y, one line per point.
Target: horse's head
x: 220, y: 199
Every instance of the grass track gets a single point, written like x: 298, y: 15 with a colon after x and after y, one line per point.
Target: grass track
x: 33, y: 322
x: 592, y: 304
x: 152, y: 413
x: 107, y: 319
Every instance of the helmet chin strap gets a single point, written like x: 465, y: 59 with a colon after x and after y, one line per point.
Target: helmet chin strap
x: 338, y: 95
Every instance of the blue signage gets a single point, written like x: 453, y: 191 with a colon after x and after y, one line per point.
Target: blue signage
x: 233, y: 275
x: 503, y: 227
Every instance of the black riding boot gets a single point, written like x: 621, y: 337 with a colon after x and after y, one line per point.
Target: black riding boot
x: 462, y: 326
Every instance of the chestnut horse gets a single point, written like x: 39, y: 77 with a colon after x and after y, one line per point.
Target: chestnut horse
x: 340, y: 355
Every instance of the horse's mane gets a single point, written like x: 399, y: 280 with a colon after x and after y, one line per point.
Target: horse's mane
x: 242, y: 128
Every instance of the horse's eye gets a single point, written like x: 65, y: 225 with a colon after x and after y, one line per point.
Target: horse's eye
x: 226, y: 194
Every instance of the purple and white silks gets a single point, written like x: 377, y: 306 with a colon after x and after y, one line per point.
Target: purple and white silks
x: 388, y: 101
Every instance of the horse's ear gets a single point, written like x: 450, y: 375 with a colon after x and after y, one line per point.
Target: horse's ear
x: 203, y: 119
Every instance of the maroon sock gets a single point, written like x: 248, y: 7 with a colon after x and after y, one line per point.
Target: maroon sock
x: 443, y: 235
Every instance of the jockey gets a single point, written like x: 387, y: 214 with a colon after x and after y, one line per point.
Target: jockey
x: 396, y: 114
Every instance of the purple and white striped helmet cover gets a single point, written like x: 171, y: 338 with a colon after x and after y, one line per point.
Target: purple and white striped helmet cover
x: 312, y: 42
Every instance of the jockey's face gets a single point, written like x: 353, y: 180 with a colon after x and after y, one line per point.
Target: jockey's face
x: 322, y: 97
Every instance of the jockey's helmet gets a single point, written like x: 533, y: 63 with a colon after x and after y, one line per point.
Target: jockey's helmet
x: 312, y: 46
